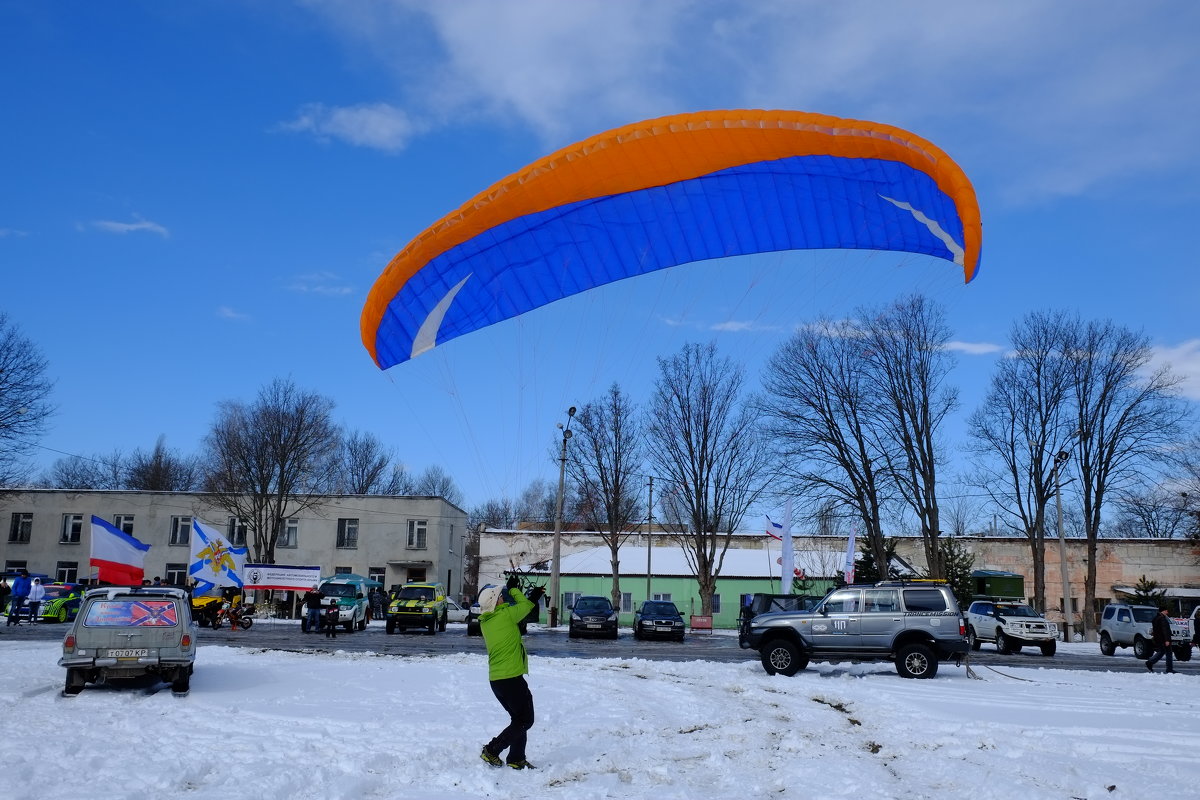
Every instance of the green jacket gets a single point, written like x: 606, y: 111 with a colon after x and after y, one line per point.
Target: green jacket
x: 506, y: 652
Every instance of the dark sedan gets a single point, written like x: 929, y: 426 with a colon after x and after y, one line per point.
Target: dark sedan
x: 593, y: 616
x: 658, y: 619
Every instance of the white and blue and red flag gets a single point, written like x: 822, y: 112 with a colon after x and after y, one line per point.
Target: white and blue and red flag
x: 118, y: 557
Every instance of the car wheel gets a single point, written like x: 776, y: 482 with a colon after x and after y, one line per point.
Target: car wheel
x: 1048, y: 648
x: 362, y: 624
x: 75, y: 681
x: 571, y: 633
x: 62, y: 615
x: 442, y: 624
x: 183, y: 680
x: 431, y: 629
x: 1141, y: 648
x: 1106, y: 645
x: 781, y: 657
x: 916, y: 661
x: 973, y: 639
x: 1183, y: 652
x: 1003, y: 643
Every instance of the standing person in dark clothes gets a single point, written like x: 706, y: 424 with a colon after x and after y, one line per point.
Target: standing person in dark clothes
x: 508, y: 664
x: 331, y: 620
x: 312, y: 609
x: 1160, y: 631
x: 20, y: 592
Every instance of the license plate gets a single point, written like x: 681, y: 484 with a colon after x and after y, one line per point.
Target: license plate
x: 662, y: 628
x: 593, y: 625
x: 127, y: 653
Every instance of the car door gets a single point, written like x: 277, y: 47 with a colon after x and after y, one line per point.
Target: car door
x: 880, y: 619
x: 836, y: 623
x: 1123, y: 626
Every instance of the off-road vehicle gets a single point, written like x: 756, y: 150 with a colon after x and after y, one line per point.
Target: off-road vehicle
x: 417, y: 605
x: 1125, y: 625
x: 915, y: 624
x: 1011, y: 626
x: 126, y: 632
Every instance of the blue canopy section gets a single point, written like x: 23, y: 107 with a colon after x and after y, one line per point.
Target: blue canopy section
x: 808, y: 202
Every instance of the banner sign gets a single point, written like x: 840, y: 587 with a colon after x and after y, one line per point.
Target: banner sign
x: 280, y: 576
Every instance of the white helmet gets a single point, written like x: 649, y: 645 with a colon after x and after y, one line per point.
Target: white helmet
x: 488, y: 599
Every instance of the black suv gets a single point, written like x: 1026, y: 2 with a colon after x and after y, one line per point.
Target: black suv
x: 916, y: 624
x: 593, y: 615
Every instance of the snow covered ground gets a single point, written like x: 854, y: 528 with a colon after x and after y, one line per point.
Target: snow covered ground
x: 265, y: 725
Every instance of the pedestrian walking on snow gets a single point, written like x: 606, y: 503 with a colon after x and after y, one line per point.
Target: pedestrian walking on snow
x: 1160, y: 632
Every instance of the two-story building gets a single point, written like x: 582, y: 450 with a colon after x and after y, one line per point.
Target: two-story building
x: 392, y: 539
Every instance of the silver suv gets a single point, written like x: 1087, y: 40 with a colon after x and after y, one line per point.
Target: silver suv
x: 1011, y: 626
x: 126, y: 632
x: 915, y: 624
x: 1125, y: 625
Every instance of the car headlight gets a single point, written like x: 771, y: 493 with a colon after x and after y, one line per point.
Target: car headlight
x: 575, y: 617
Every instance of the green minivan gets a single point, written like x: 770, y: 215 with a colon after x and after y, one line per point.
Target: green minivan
x: 350, y: 593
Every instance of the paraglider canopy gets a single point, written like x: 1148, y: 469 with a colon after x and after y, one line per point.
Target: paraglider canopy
x: 665, y: 192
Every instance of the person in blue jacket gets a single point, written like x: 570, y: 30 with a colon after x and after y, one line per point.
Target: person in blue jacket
x: 20, y: 591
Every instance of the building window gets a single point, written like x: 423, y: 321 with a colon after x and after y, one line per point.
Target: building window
x: 22, y: 527
x: 716, y: 604
x: 666, y: 596
x: 177, y: 574
x: 377, y: 573
x: 342, y: 570
x: 416, y: 534
x: 626, y: 602
x: 67, y: 572
x: 569, y: 598
x: 347, y: 533
x: 72, y: 528
x: 416, y: 575
x: 124, y: 523
x: 15, y: 566
x: 181, y: 531
x: 289, y: 533
x: 236, y: 532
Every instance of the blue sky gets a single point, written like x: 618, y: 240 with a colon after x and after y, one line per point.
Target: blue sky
x: 195, y: 198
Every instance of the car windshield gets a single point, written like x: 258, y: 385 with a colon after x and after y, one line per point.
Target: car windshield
x: 415, y: 593
x: 1017, y: 611
x: 668, y: 609
x: 1144, y: 614
x: 339, y: 590
x: 593, y: 604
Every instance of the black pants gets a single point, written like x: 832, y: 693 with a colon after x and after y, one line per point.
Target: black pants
x: 1159, y: 652
x: 514, y: 695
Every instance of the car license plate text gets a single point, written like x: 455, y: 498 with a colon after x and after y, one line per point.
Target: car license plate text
x: 593, y: 625
x: 127, y: 653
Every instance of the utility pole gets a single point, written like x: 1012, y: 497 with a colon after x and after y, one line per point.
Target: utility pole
x: 649, y: 543
x: 1060, y: 461
x: 562, y: 475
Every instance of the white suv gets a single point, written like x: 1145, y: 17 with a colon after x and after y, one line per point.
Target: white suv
x: 1125, y: 625
x: 1011, y: 626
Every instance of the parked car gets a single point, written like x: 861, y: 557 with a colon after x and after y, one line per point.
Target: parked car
x: 127, y: 632
x: 418, y: 605
x: 349, y: 593
x: 592, y: 615
x: 61, y: 603
x: 455, y: 612
x: 1011, y: 626
x: 658, y: 619
x: 915, y: 624
x: 1126, y: 625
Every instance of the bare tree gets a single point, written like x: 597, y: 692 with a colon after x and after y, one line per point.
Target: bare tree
x: 1155, y: 513
x: 161, y: 470
x: 1126, y: 416
x: 24, y: 402
x: 87, y: 472
x: 366, y: 466
x: 909, y: 363
x: 539, y: 501
x: 1024, y: 422
x: 604, y: 465
x: 271, y: 460
x: 436, y: 482
x: 705, y: 441
x: 821, y: 413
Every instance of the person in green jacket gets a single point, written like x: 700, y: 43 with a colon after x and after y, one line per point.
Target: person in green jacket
x: 508, y: 664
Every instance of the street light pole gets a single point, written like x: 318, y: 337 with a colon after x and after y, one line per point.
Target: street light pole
x: 1060, y: 461
x: 555, y: 556
x: 649, y: 533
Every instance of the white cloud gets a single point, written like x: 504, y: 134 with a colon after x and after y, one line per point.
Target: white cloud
x: 1039, y: 99
x: 974, y: 348
x: 12, y: 232
x: 227, y: 312
x: 110, y: 226
x: 1184, y: 360
x: 322, y: 283
x: 736, y: 326
x: 378, y: 125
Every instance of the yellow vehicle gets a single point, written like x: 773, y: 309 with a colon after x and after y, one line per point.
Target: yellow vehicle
x: 418, y: 605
